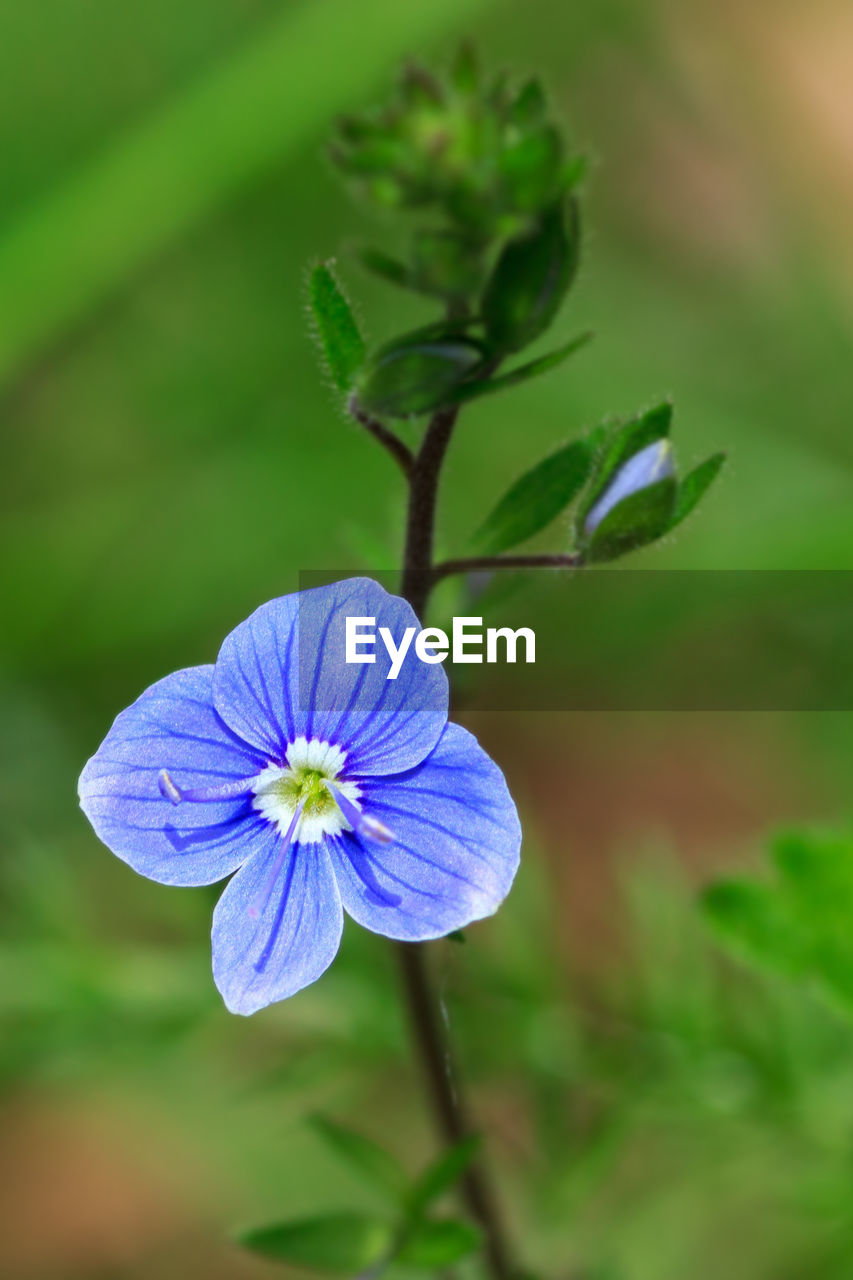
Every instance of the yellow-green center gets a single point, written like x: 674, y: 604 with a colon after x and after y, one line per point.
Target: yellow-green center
x: 300, y: 784
x: 306, y: 785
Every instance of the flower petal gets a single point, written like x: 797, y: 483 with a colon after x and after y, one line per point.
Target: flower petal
x: 267, y: 945
x: 455, y: 849
x: 283, y: 673
x: 171, y: 726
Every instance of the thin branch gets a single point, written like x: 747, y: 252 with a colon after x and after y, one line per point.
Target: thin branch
x: 472, y: 564
x: 400, y: 452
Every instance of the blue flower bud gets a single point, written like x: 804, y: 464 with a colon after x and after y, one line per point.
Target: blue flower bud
x: 651, y: 464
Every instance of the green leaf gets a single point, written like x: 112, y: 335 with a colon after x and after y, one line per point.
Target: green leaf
x: 419, y: 87
x: 800, y: 924
x: 337, y: 331
x: 375, y: 157
x: 816, y: 860
x: 417, y: 375
x: 439, y: 1243
x: 530, y: 169
x: 344, y: 1243
x: 464, y: 72
x: 443, y: 1173
x: 544, y: 364
x: 530, y: 105
x: 694, y: 486
x: 365, y: 1155
x: 537, y: 497
x: 387, y: 268
x: 530, y: 279
x: 623, y: 443
x: 751, y: 918
x: 634, y: 522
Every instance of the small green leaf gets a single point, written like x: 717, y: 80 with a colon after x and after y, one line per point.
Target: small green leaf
x: 419, y: 87
x: 439, y: 1243
x: 342, y: 343
x: 386, y: 267
x: 817, y: 867
x: 634, y: 522
x: 344, y: 1243
x: 623, y: 443
x: 375, y: 157
x: 530, y: 169
x: 530, y: 279
x: 353, y: 129
x: 751, y: 918
x: 417, y: 375
x: 443, y: 1173
x: 473, y: 390
x: 800, y: 924
x: 364, y: 1155
x: 464, y: 72
x: 530, y: 106
x: 694, y: 487
x: 537, y: 497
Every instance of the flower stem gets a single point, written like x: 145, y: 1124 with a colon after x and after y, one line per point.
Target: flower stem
x: 547, y: 560
x: 433, y: 1044
x: 423, y: 496
x: 429, y: 1027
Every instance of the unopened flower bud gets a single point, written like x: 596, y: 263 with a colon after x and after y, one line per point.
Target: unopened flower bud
x: 651, y: 464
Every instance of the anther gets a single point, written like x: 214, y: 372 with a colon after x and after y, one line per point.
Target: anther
x: 169, y: 789
x: 359, y: 821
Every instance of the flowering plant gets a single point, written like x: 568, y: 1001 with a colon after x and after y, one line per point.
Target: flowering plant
x: 323, y: 788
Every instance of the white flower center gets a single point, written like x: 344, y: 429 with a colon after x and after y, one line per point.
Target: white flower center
x: 280, y: 788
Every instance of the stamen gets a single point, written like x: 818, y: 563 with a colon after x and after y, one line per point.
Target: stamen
x: 263, y: 897
x: 359, y: 821
x: 170, y: 790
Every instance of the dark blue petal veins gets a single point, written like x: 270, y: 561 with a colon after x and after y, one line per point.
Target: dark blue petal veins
x: 172, y: 726
x: 283, y: 673
x: 251, y: 684
x: 271, y: 939
x: 455, y: 850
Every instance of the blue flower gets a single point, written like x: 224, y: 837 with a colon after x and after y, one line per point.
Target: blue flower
x: 323, y: 785
x: 651, y: 464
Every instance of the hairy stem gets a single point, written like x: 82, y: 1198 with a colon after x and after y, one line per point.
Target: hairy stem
x: 423, y: 497
x: 429, y: 1028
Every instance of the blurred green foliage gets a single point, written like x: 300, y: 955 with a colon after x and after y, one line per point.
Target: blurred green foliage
x: 799, y: 925
x: 171, y: 459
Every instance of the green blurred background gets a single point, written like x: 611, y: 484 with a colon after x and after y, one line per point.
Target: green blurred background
x: 171, y: 458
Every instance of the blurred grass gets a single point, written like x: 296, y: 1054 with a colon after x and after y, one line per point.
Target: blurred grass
x: 171, y: 458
